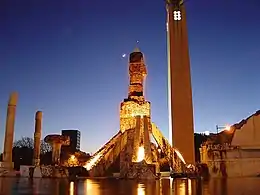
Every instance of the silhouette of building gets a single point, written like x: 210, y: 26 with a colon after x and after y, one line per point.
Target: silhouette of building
x: 74, y: 140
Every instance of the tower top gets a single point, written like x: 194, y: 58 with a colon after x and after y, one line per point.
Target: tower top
x: 136, y: 56
x: 136, y: 50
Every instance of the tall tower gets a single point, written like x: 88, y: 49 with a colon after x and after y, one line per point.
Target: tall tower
x: 135, y: 104
x: 179, y: 81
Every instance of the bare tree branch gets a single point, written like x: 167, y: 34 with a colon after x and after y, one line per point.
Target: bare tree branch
x: 27, y: 142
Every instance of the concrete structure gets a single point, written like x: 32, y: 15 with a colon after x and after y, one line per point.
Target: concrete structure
x: 130, y: 151
x: 9, y: 132
x: 37, y: 138
x: 74, y: 136
x: 179, y: 81
x: 37, y: 144
x: 56, y: 141
x: 45, y: 171
x: 235, y: 152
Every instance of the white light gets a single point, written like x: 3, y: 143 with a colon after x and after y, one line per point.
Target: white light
x: 206, y: 132
x: 140, y: 154
x: 124, y: 55
x: 227, y: 128
x: 177, y: 15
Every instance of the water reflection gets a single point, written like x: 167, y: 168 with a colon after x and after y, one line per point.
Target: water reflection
x: 140, y: 189
x: 118, y: 187
x: 71, y: 188
x: 91, y: 187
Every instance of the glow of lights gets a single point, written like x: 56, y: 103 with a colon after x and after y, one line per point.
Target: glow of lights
x: 206, y: 132
x: 124, y: 55
x: 171, y: 182
x: 73, y: 161
x: 140, y: 189
x: 191, y: 167
x: 140, y: 154
x: 180, y: 156
x: 227, y: 128
x: 177, y: 15
x: 90, y: 187
x: 129, y: 110
x: 182, y: 188
x: 189, y: 187
x: 72, y: 157
x: 92, y: 162
x: 71, y: 188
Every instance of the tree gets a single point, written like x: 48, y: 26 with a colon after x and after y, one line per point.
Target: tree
x: 27, y: 142
x: 45, y: 147
x: 23, y: 152
x: 24, y: 142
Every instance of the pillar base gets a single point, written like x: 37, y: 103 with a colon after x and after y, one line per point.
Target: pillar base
x: 141, y: 170
x: 7, y: 165
x: 37, y: 172
x: 6, y: 169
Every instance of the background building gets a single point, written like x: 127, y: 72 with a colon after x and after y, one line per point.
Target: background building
x: 74, y: 140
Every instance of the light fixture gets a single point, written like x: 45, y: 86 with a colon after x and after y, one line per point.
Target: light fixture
x: 177, y: 15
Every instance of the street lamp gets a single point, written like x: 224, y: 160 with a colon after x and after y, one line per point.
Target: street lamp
x: 227, y: 128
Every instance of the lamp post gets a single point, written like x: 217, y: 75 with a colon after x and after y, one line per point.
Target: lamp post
x: 227, y: 127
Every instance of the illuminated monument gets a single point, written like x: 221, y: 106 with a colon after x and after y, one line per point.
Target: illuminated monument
x: 179, y: 81
x: 130, y: 153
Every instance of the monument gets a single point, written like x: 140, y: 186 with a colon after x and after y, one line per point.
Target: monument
x: 181, y: 130
x: 37, y: 144
x: 56, y: 141
x: 131, y: 153
x: 7, y: 164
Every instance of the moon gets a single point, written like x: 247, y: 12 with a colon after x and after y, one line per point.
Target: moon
x: 124, y: 55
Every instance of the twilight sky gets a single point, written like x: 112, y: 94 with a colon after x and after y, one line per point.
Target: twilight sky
x: 65, y: 58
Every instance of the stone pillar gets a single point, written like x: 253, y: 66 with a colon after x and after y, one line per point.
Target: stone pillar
x: 9, y: 130
x: 37, y: 138
x: 147, y: 141
x: 137, y: 138
x: 56, y: 147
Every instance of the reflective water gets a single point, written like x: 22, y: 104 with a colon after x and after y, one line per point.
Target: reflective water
x: 236, y: 186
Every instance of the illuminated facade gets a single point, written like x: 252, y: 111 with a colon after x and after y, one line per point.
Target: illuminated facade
x: 135, y: 104
x: 131, y: 147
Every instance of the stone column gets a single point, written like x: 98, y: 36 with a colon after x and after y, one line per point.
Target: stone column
x: 137, y: 138
x: 37, y: 138
x: 9, y: 130
x: 147, y: 141
x: 56, y: 147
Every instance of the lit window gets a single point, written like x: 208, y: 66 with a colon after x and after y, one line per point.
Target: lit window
x: 177, y: 15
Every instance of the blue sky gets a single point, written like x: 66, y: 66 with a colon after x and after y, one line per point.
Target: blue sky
x: 65, y: 58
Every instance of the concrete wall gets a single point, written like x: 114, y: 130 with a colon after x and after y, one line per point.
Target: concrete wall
x: 24, y: 170
x: 242, y: 167
x: 249, y: 134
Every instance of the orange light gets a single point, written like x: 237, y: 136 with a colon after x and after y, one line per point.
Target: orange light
x: 227, y: 128
x: 140, y: 154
